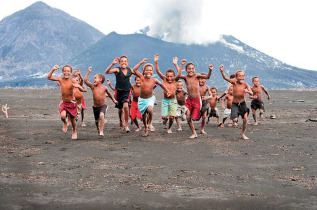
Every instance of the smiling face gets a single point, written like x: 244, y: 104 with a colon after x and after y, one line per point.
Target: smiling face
x: 179, y: 86
x: 148, y: 71
x: 137, y: 81
x: 202, y: 81
x: 97, y: 80
x: 190, y: 69
x: 123, y: 62
x: 230, y: 90
x: 213, y: 92
x: 170, y: 76
x: 67, y: 71
x: 240, y: 76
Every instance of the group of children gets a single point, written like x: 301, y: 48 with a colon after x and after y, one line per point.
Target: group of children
x: 199, y: 101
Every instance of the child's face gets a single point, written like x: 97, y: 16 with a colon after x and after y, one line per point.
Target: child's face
x: 202, y: 81
x: 179, y: 86
x: 67, y: 72
x: 230, y: 91
x: 123, y: 62
x: 213, y: 92
x: 138, y: 82
x: 256, y: 82
x: 148, y: 71
x: 170, y: 77
x: 97, y: 80
x: 75, y: 74
x: 190, y: 70
x: 240, y: 77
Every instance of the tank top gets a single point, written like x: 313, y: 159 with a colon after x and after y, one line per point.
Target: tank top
x: 123, y: 81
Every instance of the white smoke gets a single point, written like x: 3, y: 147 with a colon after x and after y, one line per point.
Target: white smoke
x: 179, y: 21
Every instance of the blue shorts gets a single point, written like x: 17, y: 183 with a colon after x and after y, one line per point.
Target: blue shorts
x: 169, y: 107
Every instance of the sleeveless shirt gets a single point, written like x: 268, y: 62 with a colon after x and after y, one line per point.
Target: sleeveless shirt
x: 123, y: 81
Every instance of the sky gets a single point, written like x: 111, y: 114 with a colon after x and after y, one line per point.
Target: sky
x: 283, y: 29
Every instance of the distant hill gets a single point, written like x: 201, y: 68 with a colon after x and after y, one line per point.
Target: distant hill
x: 34, y: 39
x: 229, y: 51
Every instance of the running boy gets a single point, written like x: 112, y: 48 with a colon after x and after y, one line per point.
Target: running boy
x: 169, y: 103
x: 213, y: 111
x: 100, y: 100
x: 203, y: 89
x: 239, y: 106
x: 147, y: 99
x: 181, y: 108
x: 257, y: 102
x: 227, y: 110
x: 135, y: 112
x: 193, y: 101
x: 77, y: 73
x: 68, y: 105
x: 123, y: 87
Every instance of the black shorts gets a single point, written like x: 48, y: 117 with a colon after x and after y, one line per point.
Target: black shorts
x: 239, y: 109
x: 122, y: 96
x: 204, y: 107
x: 99, y: 109
x: 256, y: 104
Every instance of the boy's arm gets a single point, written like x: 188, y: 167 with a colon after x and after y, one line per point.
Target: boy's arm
x: 175, y: 60
x: 179, y: 70
x: 86, y: 78
x: 49, y: 76
x: 156, y: 58
x: 110, y: 85
x: 81, y: 78
x: 223, y: 103
x: 79, y: 87
x: 110, y: 96
x: 266, y: 92
x: 115, y: 70
x: 249, y: 91
x: 222, y: 95
x: 135, y: 68
x: 164, y: 87
x: 224, y: 76
x: 209, y: 73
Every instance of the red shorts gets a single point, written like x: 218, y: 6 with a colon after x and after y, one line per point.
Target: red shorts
x: 69, y: 107
x: 194, y: 106
x: 135, y: 112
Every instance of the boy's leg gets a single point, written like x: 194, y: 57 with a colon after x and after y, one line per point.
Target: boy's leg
x: 190, y: 123
x: 261, y: 114
x: 145, y: 123
x: 82, y: 118
x: 137, y: 124
x: 244, y: 126
x: 101, y: 123
x: 150, y: 113
x: 126, y: 116
x: 218, y: 121
x: 63, y: 118
x: 203, y: 123
x: 169, y: 130
x: 254, y: 116
x: 120, y: 119
x: 178, y: 124
x: 223, y: 122
x: 165, y: 119
x: 74, y: 124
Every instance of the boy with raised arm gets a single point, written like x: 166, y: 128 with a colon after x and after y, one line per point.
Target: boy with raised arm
x: 257, y: 102
x: 123, y: 87
x: 181, y: 108
x: 193, y: 101
x: 239, y: 106
x: 169, y: 103
x: 68, y: 105
x: 81, y: 104
x: 100, y: 100
x: 147, y: 99
x: 203, y: 89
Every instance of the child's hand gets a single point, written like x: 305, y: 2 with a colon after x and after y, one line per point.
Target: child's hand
x: 144, y: 60
x: 221, y: 68
x: 115, y: 101
x: 78, y: 72
x: 108, y: 81
x: 183, y: 61
x: 55, y: 67
x: 269, y: 97
x: 169, y: 94
x: 203, y: 98
x: 175, y: 60
x: 210, y: 67
x: 115, y: 61
x: 156, y: 58
x: 90, y: 68
x: 76, y: 85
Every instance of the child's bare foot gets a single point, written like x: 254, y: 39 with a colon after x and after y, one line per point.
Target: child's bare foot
x: 65, y: 127
x: 255, y: 123
x: 220, y: 124
x: 152, y: 128
x: 179, y: 129
x: 229, y: 124
x: 169, y: 131
x: 83, y: 124
x: 193, y: 136
x: 145, y: 133
x: 235, y: 124
x: 202, y: 132
x: 101, y: 133
x: 244, y: 137
x: 127, y: 129
x: 223, y: 125
x: 74, y: 135
x: 138, y: 129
